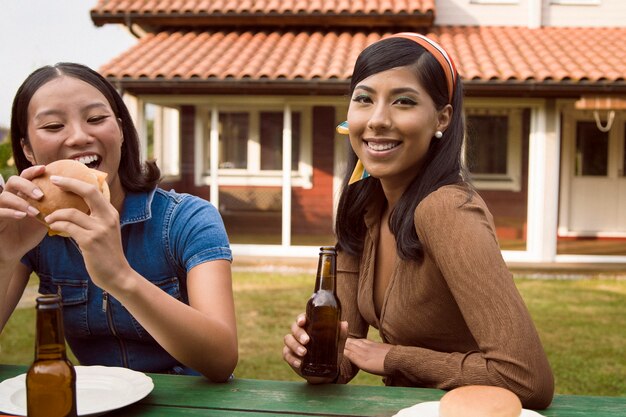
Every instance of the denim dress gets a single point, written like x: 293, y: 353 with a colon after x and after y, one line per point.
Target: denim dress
x: 164, y: 235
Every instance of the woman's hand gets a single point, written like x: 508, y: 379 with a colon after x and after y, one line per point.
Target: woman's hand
x: 295, y: 347
x: 97, y: 234
x: 20, y: 231
x: 367, y: 355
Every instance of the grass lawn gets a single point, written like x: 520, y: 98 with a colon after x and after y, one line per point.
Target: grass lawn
x: 581, y: 324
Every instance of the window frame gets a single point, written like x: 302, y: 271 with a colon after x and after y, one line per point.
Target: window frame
x: 575, y: 2
x: 495, y: 2
x: 512, y: 179
x: 302, y: 176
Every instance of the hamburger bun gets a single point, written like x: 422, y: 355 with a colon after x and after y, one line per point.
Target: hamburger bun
x: 55, y: 198
x: 480, y: 401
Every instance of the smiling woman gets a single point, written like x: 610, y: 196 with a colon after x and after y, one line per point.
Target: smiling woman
x: 145, y: 277
x: 418, y: 255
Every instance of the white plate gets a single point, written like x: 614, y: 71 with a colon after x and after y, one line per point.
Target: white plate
x: 431, y: 409
x: 99, y: 389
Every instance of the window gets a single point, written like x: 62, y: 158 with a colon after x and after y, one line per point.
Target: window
x: 233, y: 140
x: 250, y: 143
x: 592, y: 150
x: 272, y: 140
x: 493, y: 148
x: 487, y: 144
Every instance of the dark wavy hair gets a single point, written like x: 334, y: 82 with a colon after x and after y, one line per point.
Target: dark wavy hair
x: 134, y: 175
x: 442, y: 163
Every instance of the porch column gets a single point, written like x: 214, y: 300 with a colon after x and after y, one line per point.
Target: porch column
x: 169, y: 150
x: 286, y: 209
x: 214, y: 157
x: 543, y: 182
x: 135, y: 108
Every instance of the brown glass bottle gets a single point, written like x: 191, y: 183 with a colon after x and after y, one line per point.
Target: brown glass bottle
x: 323, y: 315
x: 51, y: 379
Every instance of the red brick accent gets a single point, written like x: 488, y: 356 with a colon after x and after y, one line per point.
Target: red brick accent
x: 312, y: 209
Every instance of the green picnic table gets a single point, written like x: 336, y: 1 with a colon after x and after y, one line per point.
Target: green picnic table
x: 196, y: 396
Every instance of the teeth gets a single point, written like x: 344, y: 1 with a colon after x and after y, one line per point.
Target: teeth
x: 381, y: 146
x: 87, y: 159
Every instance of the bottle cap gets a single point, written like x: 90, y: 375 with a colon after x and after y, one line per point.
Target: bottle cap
x: 327, y: 249
x: 48, y: 301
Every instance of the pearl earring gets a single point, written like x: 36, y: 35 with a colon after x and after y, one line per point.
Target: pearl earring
x: 439, y: 134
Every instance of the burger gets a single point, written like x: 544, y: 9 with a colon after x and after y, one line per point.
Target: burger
x: 55, y: 198
x: 480, y: 401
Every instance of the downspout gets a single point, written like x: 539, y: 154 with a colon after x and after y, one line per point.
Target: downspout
x: 129, y: 25
x: 119, y: 88
x: 535, y: 14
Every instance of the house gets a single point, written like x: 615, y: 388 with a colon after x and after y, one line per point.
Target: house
x: 238, y: 100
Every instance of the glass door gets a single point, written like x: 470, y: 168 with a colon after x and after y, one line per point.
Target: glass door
x: 596, y: 190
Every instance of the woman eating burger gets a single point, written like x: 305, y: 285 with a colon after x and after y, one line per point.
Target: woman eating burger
x: 144, y: 273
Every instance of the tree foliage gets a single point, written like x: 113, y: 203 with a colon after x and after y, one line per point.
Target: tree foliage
x: 7, y: 166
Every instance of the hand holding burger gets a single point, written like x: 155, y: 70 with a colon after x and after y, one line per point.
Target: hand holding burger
x: 55, y: 198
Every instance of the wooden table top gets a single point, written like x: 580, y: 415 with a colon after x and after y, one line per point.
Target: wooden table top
x: 195, y: 396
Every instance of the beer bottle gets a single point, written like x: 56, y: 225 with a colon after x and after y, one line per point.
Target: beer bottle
x: 51, y: 379
x: 323, y: 314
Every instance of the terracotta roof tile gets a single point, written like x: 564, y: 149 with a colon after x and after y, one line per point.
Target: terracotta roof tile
x: 481, y: 53
x: 262, y: 6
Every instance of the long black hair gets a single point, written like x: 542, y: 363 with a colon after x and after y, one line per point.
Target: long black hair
x: 134, y: 175
x: 442, y: 163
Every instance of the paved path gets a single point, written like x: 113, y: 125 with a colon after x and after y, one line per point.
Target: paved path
x: 309, y: 266
x: 299, y: 265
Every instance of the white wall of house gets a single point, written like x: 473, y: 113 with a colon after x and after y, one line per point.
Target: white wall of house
x: 467, y: 12
x: 599, y: 13
x: 532, y: 13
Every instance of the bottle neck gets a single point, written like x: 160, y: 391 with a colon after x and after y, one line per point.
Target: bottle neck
x: 50, y: 340
x: 326, y: 273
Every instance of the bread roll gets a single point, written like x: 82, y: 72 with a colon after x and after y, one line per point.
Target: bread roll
x: 480, y: 401
x: 55, y: 198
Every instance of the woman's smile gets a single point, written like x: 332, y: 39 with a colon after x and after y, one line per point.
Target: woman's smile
x: 91, y: 160
x: 381, y: 145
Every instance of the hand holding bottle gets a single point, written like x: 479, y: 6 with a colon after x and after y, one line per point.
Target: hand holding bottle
x: 315, y: 339
x: 296, y: 347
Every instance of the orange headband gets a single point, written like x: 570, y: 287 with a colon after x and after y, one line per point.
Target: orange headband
x: 440, y: 55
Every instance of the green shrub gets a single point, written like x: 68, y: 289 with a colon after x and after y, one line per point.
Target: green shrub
x: 7, y: 167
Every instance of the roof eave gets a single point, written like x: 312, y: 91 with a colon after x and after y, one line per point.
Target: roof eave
x: 233, y: 86
x: 326, y: 87
x: 274, y: 20
x: 542, y: 89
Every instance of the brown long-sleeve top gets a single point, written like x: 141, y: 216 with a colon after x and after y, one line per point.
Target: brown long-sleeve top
x: 454, y: 319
